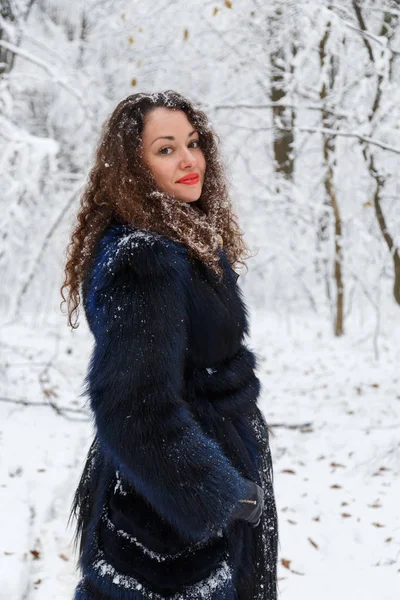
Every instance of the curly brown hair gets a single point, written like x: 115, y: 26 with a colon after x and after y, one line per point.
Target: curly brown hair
x: 122, y: 188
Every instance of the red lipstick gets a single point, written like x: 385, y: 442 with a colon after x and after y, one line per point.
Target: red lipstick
x: 189, y: 179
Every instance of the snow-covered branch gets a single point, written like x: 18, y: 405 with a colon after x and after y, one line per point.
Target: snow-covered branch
x: 348, y: 134
x: 43, y: 65
x: 339, y: 115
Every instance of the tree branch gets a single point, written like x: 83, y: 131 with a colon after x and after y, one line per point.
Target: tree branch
x: 43, y: 65
x: 363, y: 28
x: 274, y: 105
x: 349, y: 134
x: 59, y: 410
x: 42, y: 250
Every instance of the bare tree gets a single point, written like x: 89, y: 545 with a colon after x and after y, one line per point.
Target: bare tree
x: 390, y: 22
x: 328, y: 63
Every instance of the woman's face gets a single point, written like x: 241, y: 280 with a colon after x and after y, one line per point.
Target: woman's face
x: 172, y: 152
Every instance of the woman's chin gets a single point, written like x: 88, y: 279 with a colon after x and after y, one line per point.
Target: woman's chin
x: 194, y: 197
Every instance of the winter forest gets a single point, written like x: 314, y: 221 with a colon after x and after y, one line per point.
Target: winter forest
x: 305, y: 97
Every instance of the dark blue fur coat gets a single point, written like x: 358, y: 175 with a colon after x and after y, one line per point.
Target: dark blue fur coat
x: 173, y: 391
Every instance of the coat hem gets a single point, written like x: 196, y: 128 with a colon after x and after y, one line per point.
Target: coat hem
x: 113, y: 585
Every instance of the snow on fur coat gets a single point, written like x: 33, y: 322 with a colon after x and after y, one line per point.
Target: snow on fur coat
x: 173, y: 392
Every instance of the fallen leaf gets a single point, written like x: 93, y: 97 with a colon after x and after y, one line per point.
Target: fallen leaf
x: 185, y: 34
x: 345, y: 515
x: 35, y: 554
x: 335, y: 464
x: 336, y: 486
x: 375, y: 385
x: 63, y: 557
x: 18, y: 471
x: 130, y: 39
x: 292, y: 522
x: 344, y: 504
x: 375, y: 505
x: 288, y: 471
x: 133, y: 82
x: 8, y: 553
x: 377, y: 525
x: 215, y: 11
x: 286, y: 563
x: 389, y: 539
x: 313, y: 543
x: 228, y: 3
x: 316, y: 518
x: 37, y: 581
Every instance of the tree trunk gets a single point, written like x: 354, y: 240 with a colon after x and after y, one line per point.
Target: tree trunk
x: 8, y: 14
x: 6, y: 57
x: 394, y: 251
x: 329, y: 147
x: 282, y: 116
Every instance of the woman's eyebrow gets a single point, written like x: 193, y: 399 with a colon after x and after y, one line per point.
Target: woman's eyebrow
x: 170, y: 137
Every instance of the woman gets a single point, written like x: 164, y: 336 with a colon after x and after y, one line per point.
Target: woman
x: 176, y: 497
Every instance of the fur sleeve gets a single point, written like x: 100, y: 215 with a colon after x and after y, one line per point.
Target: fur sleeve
x: 137, y: 306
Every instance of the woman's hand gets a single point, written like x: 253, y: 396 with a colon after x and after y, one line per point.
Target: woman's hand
x: 250, y: 508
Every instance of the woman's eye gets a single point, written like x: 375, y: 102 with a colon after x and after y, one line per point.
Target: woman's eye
x: 163, y: 150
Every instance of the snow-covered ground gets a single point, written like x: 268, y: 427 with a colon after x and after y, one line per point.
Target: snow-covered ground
x: 337, y: 472
x: 334, y: 411
x: 42, y: 453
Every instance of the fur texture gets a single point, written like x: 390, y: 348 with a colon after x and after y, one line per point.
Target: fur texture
x: 173, y: 392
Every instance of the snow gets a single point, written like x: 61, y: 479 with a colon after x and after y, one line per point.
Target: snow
x: 220, y: 578
x: 216, y: 580
x: 337, y: 470
x: 135, y: 239
x: 41, y: 454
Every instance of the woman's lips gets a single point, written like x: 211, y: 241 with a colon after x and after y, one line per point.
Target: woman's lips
x: 192, y: 181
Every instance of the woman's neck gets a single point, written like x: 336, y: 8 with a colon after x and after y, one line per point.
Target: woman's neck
x: 196, y: 207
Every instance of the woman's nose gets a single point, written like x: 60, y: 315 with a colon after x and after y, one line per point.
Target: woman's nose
x: 187, y: 158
